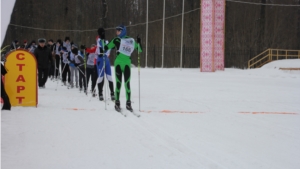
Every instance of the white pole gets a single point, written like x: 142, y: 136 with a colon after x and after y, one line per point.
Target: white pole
x: 147, y: 34
x: 181, y: 34
x: 163, y: 36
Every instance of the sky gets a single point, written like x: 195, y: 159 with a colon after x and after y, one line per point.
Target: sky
x: 6, y: 10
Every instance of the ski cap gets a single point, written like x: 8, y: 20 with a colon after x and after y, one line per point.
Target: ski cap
x: 75, y: 51
x: 121, y: 28
x: 67, y: 38
x: 41, y: 40
x: 59, y: 41
x: 101, y: 32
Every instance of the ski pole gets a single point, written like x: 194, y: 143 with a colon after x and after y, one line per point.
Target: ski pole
x: 59, y: 67
x: 85, y: 71
x: 54, y: 63
x: 80, y: 71
x: 83, y: 75
x: 139, y: 77
x: 104, y: 64
x: 54, y: 69
x: 14, y: 44
x: 61, y: 74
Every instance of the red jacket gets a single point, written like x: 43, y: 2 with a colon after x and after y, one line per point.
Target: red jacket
x: 92, y: 50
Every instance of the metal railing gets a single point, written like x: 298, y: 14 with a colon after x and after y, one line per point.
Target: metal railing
x: 272, y: 54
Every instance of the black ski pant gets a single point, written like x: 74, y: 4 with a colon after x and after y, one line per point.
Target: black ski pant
x: 51, y: 70
x: 81, y: 77
x: 43, y: 76
x: 100, y: 87
x: 119, y: 73
x: 65, y: 71
x: 6, y: 105
x: 57, y: 62
x: 90, y: 73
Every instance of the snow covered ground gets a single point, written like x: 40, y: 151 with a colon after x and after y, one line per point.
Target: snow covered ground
x: 236, y: 119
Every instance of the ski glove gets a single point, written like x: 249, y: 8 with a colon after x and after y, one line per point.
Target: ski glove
x: 103, y: 35
x: 138, y: 39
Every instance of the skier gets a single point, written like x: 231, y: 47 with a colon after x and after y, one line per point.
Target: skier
x: 6, y: 105
x: 125, y: 45
x: 44, y: 59
x: 67, y: 44
x: 103, y: 58
x: 14, y: 45
x: 32, y: 46
x: 91, y: 71
x: 65, y: 66
x: 57, y: 49
x: 79, y: 63
x: 24, y: 44
x: 50, y: 45
x: 73, y: 69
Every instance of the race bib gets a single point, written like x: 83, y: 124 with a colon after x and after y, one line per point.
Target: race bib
x: 65, y: 60
x: 127, y: 46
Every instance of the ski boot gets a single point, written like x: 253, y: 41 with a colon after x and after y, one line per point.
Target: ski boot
x: 128, y: 106
x: 101, y: 98
x: 117, y: 106
x: 65, y: 83
x: 112, y: 96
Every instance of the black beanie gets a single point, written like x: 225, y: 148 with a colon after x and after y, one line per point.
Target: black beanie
x: 75, y: 51
x: 101, y: 31
x: 67, y: 38
x: 59, y: 41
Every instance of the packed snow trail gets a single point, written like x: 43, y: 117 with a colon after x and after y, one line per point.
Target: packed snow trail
x: 189, y: 120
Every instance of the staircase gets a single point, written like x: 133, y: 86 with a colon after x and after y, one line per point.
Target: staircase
x: 272, y: 54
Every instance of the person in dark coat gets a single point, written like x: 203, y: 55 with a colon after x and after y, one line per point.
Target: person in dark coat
x: 6, y: 105
x: 52, y: 67
x: 44, y: 60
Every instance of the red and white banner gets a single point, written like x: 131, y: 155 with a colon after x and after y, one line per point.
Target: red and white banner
x: 212, y: 35
x: 219, y: 34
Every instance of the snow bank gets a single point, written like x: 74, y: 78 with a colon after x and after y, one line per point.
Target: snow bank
x: 289, y: 63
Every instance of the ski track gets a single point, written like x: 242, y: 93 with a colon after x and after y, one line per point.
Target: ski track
x: 69, y: 131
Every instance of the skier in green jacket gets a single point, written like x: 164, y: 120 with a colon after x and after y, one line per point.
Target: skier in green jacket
x: 125, y: 46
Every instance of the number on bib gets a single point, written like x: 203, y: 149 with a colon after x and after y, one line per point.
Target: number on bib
x: 127, y: 46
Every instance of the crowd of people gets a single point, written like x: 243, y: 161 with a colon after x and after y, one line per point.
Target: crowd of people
x: 77, y: 67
